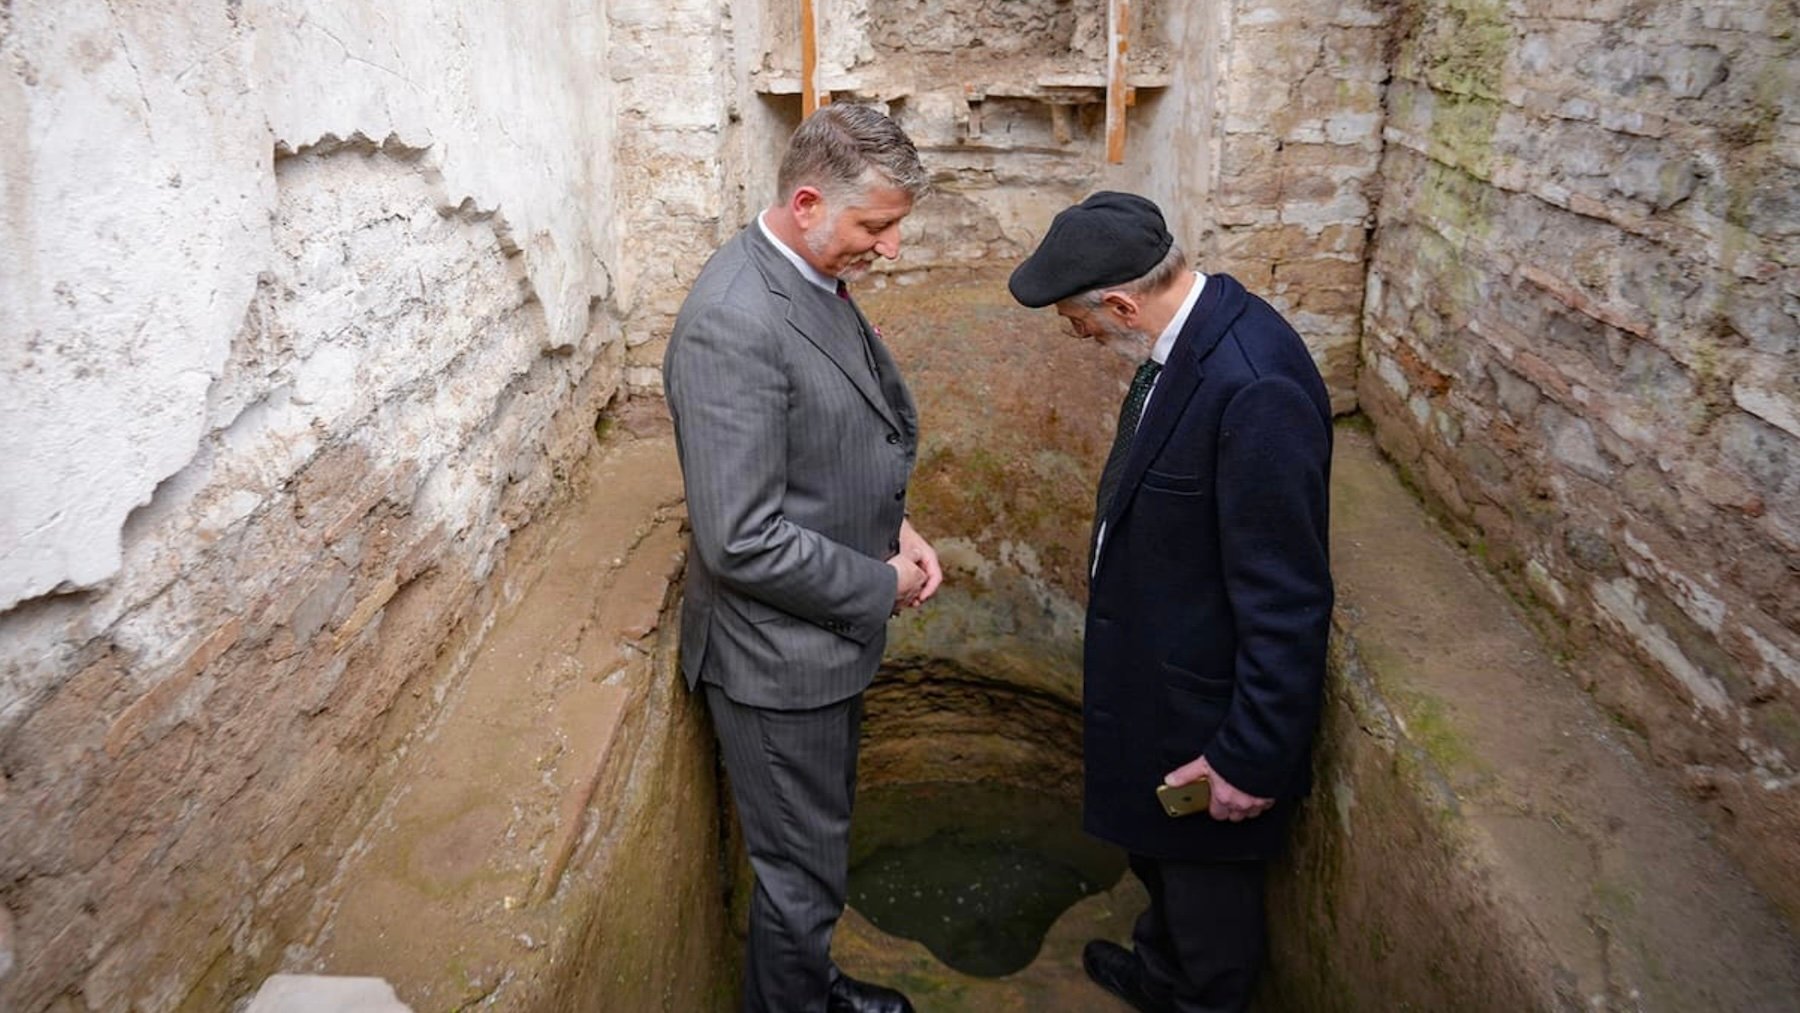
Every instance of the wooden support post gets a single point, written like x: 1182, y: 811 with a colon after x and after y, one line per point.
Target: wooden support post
x: 1118, y: 45
x: 809, y: 59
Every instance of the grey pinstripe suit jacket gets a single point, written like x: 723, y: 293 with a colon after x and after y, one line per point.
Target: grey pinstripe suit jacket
x: 795, y: 454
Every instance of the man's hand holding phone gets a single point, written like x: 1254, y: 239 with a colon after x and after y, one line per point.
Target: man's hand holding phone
x: 1185, y: 800
x: 1223, y: 802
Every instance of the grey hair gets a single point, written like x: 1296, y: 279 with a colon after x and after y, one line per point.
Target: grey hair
x: 1153, y: 280
x: 844, y: 148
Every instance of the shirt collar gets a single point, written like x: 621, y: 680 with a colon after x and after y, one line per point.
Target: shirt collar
x: 1166, y: 342
x: 807, y: 271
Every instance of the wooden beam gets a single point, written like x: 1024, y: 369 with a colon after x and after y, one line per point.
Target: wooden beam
x: 809, y: 59
x: 1118, y: 46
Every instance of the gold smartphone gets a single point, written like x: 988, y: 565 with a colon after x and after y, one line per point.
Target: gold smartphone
x: 1192, y: 797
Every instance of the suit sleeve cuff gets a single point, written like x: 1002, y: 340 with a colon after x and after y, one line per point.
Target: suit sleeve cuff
x: 867, y: 616
x: 1259, y: 779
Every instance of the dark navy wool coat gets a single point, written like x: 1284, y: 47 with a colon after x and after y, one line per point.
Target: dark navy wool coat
x: 1210, y: 606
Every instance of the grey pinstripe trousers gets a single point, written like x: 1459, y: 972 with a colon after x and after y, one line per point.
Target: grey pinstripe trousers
x: 793, y: 777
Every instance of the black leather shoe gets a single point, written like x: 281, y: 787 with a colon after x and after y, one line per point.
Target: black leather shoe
x: 851, y: 996
x: 1117, y: 970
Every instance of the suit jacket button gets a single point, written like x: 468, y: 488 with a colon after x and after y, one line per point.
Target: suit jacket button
x: 893, y: 437
x: 900, y: 496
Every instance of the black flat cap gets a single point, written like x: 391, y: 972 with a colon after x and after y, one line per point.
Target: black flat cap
x: 1108, y: 239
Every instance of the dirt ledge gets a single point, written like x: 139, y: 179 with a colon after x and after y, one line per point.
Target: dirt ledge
x: 1482, y: 837
x: 553, y: 841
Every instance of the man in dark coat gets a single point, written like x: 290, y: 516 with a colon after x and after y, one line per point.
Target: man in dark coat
x: 1209, y: 593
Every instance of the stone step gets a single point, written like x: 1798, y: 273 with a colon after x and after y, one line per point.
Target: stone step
x: 321, y: 993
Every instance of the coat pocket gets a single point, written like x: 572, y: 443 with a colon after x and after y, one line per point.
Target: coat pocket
x: 1194, y: 706
x: 753, y: 611
x: 1171, y: 483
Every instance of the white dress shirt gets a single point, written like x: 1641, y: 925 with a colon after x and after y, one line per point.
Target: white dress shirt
x: 1159, y: 353
x: 1165, y: 342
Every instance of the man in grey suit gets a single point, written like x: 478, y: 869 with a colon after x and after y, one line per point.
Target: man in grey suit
x: 797, y: 437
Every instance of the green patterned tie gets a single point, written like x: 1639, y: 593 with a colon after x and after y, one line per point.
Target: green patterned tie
x: 1129, y: 416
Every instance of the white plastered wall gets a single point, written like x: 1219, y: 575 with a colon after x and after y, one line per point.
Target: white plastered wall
x: 136, y: 189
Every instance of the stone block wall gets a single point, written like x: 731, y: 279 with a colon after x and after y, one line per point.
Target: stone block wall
x: 1581, y: 326
x: 967, y: 80
x: 1267, y: 175
x: 1299, y: 110
x: 302, y: 347
x: 669, y: 66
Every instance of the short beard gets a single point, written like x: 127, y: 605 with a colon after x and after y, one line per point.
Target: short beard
x: 819, y: 236
x: 818, y: 239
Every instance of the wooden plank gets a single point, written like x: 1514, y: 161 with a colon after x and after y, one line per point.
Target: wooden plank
x: 1118, y: 45
x: 809, y: 59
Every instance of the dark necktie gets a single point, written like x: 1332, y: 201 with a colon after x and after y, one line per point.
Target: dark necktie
x: 843, y: 292
x: 1129, y: 416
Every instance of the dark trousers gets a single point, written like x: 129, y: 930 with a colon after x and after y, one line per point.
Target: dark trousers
x: 1201, y: 940
x: 793, y: 777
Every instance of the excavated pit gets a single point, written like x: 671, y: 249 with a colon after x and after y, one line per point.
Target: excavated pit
x: 972, y: 884
x: 977, y: 873
x: 967, y: 834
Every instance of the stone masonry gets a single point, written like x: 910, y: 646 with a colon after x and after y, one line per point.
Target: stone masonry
x: 1582, y: 327
x: 1292, y: 197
